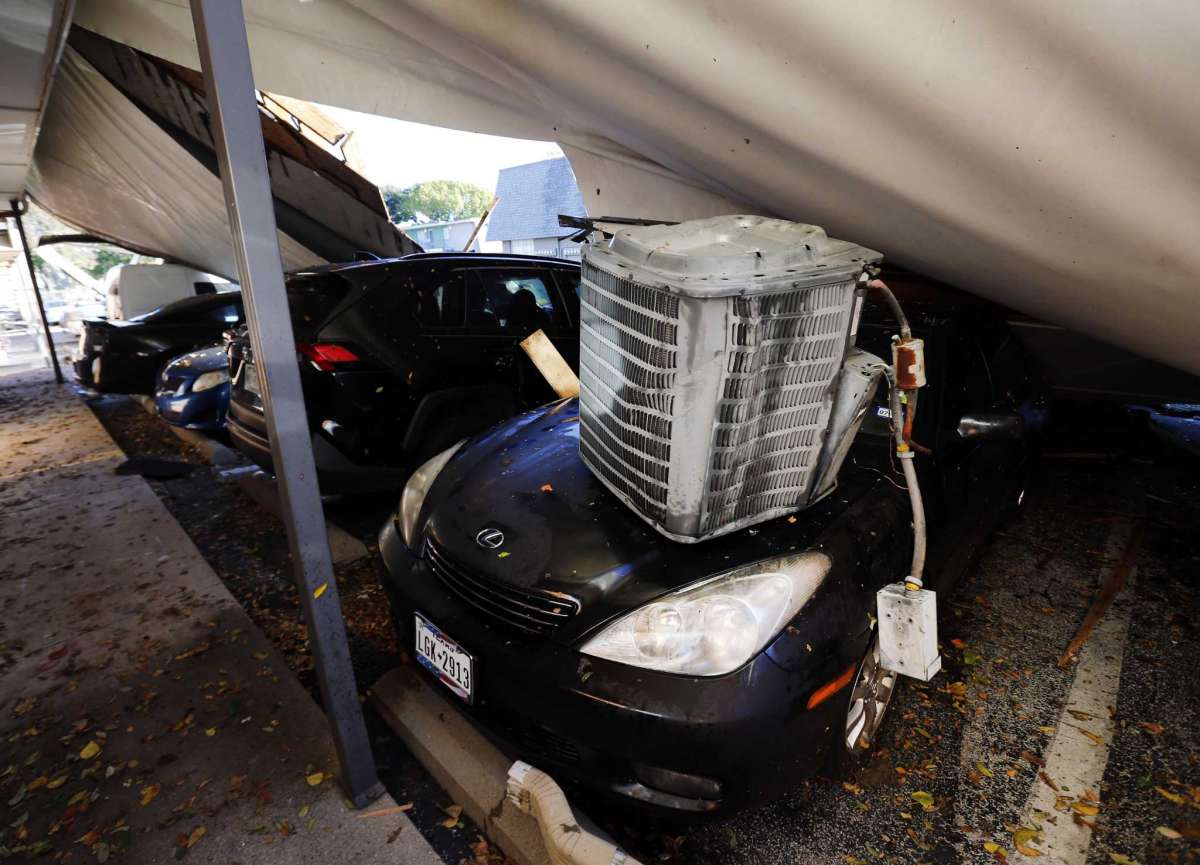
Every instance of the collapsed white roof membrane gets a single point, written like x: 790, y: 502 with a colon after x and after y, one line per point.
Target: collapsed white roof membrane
x: 105, y: 166
x: 1041, y: 155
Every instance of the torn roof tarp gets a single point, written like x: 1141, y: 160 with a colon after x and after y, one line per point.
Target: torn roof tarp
x: 1038, y: 154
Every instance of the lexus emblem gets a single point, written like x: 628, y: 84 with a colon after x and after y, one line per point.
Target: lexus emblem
x: 489, y: 539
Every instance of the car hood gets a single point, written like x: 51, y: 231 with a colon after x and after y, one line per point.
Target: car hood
x: 200, y: 361
x: 565, y: 532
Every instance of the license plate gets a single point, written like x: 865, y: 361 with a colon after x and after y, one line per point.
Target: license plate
x: 250, y: 378
x: 444, y: 658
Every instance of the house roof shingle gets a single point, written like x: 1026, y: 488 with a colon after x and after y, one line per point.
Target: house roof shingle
x: 531, y: 198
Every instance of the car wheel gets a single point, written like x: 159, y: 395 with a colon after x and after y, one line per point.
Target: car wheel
x: 870, y: 697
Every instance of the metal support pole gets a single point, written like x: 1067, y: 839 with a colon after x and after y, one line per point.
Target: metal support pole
x: 229, y: 82
x: 37, y: 292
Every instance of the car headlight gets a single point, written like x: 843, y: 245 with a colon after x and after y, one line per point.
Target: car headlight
x: 414, y: 491
x: 713, y: 627
x: 209, y: 380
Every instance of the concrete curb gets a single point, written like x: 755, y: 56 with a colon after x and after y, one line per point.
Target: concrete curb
x: 461, y: 759
x: 343, y: 546
x: 215, y: 452
x: 260, y: 486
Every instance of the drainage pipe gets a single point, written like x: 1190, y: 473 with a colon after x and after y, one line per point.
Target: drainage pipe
x: 568, y: 843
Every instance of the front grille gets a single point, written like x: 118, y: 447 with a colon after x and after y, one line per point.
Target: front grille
x: 172, y: 383
x: 529, y: 611
x: 534, y: 742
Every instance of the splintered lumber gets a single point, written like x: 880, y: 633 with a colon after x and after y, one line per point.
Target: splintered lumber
x: 1112, y: 587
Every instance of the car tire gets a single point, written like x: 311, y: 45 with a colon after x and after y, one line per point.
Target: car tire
x: 871, y: 693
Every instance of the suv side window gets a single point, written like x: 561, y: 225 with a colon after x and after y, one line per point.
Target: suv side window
x: 226, y: 314
x: 438, y: 298
x: 513, y: 302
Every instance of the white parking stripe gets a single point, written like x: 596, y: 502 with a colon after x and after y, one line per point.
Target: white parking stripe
x: 1074, y: 761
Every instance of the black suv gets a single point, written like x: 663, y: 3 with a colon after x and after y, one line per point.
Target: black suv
x: 401, y: 358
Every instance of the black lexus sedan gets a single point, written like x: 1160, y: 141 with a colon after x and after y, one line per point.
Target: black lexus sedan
x: 400, y: 358
x: 555, y: 616
x: 128, y: 356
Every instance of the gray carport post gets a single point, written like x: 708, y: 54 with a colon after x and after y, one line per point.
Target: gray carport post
x: 37, y: 291
x: 229, y: 82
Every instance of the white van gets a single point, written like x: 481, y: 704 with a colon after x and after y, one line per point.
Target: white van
x: 132, y: 289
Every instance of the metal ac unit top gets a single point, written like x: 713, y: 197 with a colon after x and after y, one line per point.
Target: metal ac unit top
x: 710, y: 356
x: 731, y: 255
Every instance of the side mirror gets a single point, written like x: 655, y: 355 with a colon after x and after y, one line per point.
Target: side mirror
x: 991, y: 426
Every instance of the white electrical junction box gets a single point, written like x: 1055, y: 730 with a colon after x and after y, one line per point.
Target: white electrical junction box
x: 908, y: 642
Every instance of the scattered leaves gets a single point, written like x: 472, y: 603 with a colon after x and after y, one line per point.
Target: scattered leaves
x: 384, y: 812
x: 453, y: 812
x: 315, y: 779
x: 1173, y: 797
x: 90, y: 750
x: 1168, y: 832
x: 148, y: 793
x: 1122, y: 859
x: 925, y: 800
x: 1022, y: 838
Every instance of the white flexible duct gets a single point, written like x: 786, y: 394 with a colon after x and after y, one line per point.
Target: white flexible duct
x: 568, y: 843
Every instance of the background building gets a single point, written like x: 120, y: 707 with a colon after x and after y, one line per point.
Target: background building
x: 449, y: 236
x: 531, y: 198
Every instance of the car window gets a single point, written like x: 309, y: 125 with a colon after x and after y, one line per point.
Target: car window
x: 513, y: 302
x: 569, y: 280
x: 227, y: 314
x: 438, y: 299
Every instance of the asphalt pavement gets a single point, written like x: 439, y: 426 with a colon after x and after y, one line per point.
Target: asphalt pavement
x: 1002, y: 757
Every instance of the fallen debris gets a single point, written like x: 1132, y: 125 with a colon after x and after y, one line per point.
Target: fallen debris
x: 1112, y: 587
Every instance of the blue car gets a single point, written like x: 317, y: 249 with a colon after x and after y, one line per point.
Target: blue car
x: 192, y: 391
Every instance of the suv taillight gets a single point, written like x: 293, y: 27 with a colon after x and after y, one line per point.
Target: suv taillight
x: 327, y: 356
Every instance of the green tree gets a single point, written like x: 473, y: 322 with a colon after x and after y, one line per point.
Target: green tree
x: 105, y: 259
x: 435, y: 201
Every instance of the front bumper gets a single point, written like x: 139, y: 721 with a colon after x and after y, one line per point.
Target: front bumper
x: 335, y: 472
x: 597, y: 722
x: 199, y: 411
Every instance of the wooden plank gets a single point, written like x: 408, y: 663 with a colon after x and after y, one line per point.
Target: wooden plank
x: 1112, y: 587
